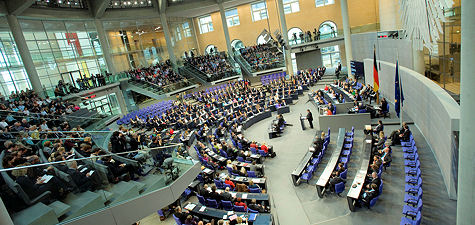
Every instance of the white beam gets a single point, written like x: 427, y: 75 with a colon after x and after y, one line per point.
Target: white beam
x: 16, y: 7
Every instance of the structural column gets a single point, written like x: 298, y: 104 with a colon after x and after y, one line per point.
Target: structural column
x: 101, y: 34
x: 347, y: 35
x: 283, y: 27
x: 121, y: 101
x: 466, y: 176
x: 225, y: 29
x: 25, y: 54
x: 418, y: 61
x: 166, y: 31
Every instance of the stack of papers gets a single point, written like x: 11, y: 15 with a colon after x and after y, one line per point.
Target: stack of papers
x: 244, y: 196
x: 202, y: 209
x: 190, y: 206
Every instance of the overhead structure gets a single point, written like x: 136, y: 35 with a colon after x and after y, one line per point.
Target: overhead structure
x: 421, y: 21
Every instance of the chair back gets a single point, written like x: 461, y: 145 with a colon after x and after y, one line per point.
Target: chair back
x: 262, y: 153
x: 240, y: 159
x: 344, y: 174
x: 212, y: 203
x: 254, y: 190
x: 340, y: 187
x: 373, y: 202
x: 239, y: 208
x: 227, y: 205
x: 228, y: 186
x: 251, y: 173
x: 201, y: 199
x: 252, y: 211
x: 253, y: 150
x: 177, y: 220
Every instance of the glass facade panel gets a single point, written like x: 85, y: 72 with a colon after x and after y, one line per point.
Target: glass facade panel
x: 259, y: 11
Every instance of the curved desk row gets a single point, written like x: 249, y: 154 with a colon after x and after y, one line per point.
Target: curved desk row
x: 211, y: 213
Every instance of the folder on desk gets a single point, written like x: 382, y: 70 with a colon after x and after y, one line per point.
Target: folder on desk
x: 252, y: 216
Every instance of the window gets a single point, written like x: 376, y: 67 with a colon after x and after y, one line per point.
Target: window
x: 319, y: 3
x: 186, y: 29
x: 211, y: 49
x: 237, y: 44
x: 291, y: 6
x: 259, y: 11
x: 294, y: 39
x: 261, y: 40
x: 178, y: 34
x: 330, y: 56
x: 232, y: 17
x: 327, y: 30
x: 206, y: 24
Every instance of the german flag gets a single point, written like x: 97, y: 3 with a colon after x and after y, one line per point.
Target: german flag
x: 375, y: 72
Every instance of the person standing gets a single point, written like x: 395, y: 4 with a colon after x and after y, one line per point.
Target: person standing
x: 310, y: 118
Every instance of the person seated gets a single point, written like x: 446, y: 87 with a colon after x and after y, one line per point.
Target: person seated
x: 318, y: 143
x: 252, y: 185
x: 377, y: 160
x: 340, y: 168
x: 398, y: 135
x: 33, y: 183
x: 214, y: 195
x: 229, y: 182
x: 83, y: 181
x: 378, y: 143
x: 257, y: 207
x: 331, y: 107
x: 242, y: 188
x: 226, y: 196
x: 369, y: 194
x: 204, y: 191
x: 386, y: 157
x: 384, y: 106
x: 379, y: 127
x: 280, y: 120
x: 180, y: 214
x: 374, y: 179
x: 118, y: 169
x: 239, y: 202
x: 334, y: 179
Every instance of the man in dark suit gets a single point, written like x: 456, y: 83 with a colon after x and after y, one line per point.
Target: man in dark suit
x: 214, y: 195
x: 334, y: 179
x: 310, y: 118
x: 226, y: 196
x: 379, y: 127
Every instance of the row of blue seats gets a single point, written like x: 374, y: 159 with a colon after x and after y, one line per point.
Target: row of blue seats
x: 413, y: 187
x: 345, y: 158
x: 313, y: 164
x: 152, y: 110
x: 225, y: 205
x: 266, y: 79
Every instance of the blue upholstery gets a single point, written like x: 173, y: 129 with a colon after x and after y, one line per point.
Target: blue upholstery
x: 227, y: 205
x: 251, y: 174
x: 373, y: 202
x: 201, y: 199
x: 254, y: 190
x: 212, y: 203
x: 239, y: 208
x: 177, y: 220
x: 339, y: 188
x: 343, y: 174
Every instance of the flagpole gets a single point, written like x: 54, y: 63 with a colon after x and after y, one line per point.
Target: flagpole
x: 400, y: 90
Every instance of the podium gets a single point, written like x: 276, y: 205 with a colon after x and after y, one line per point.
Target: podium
x: 302, y: 122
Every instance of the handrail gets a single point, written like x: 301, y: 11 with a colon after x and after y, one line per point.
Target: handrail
x: 85, y: 158
x: 49, y: 132
x: 39, y: 114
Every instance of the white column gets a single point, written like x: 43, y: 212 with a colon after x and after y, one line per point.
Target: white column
x: 101, y: 34
x: 466, y: 176
x: 283, y: 26
x: 225, y: 29
x: 25, y: 54
x: 418, y: 63
x: 347, y: 34
x: 121, y: 101
x: 166, y: 31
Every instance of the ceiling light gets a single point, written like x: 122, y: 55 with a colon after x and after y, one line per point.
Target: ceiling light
x: 149, y: 2
x: 59, y: 1
x: 115, y: 3
x: 135, y: 3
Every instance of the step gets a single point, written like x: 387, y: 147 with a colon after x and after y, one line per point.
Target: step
x: 123, y: 191
x: 106, y: 195
x: 140, y: 186
x: 59, y: 208
x: 153, y: 182
x: 37, y: 214
x: 83, y: 203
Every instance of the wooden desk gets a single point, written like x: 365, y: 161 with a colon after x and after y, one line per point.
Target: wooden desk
x: 358, y: 182
x: 323, y: 180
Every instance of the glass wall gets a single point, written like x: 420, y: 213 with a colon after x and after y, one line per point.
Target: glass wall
x: 63, y: 50
x: 182, y: 36
x: 443, y: 64
x: 13, y: 76
x: 331, y: 56
x: 136, y: 43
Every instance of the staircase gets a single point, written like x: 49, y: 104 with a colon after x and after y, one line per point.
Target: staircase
x: 146, y: 89
x: 329, y: 77
x: 245, y: 67
x: 191, y: 72
x: 78, y: 204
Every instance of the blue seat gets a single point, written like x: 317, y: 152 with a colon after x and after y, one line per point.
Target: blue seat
x: 253, y: 150
x: 339, y: 188
x: 212, y: 203
x: 412, y: 210
x: 227, y: 205
x: 373, y: 202
x: 240, y: 159
x: 344, y: 174
x: 239, y: 208
x: 201, y: 199
x: 252, y: 211
x: 343, y: 159
x: 228, y: 186
x: 262, y: 153
x: 177, y: 220
x: 251, y: 174
x: 218, y: 183
x: 417, y: 221
x: 413, y: 199
x: 254, y: 190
